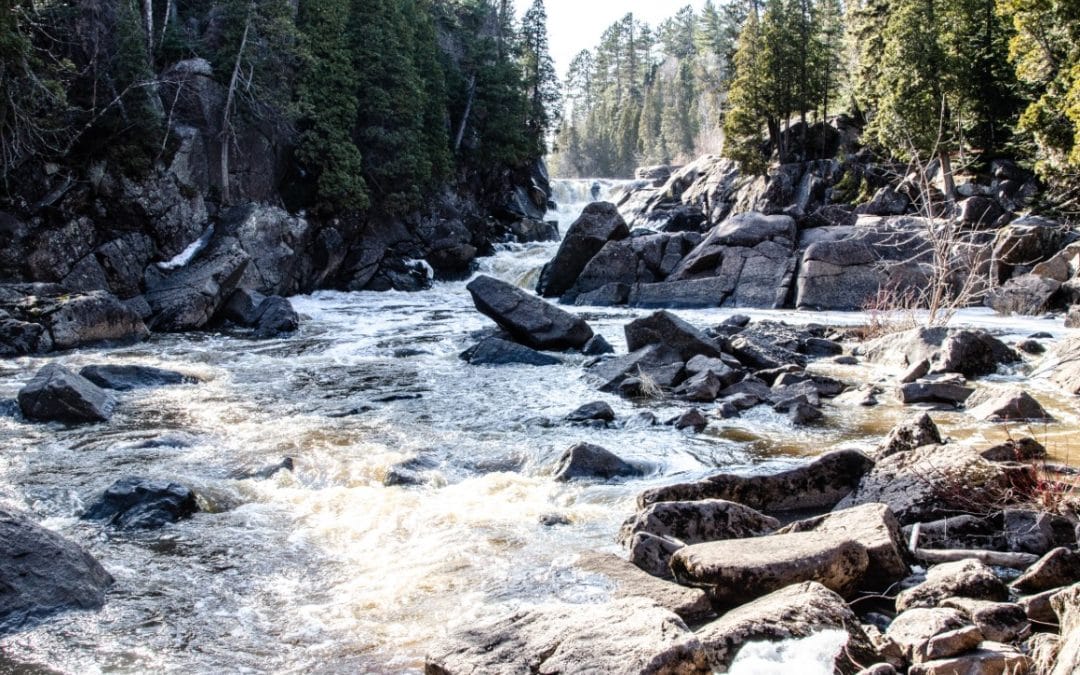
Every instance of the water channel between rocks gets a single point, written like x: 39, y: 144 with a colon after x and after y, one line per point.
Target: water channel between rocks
x: 326, y: 569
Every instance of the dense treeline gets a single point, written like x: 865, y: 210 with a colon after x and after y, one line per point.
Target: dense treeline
x: 951, y: 78
x: 377, y: 100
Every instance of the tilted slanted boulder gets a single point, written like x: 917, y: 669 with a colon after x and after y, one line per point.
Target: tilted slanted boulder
x: 820, y: 484
x: 631, y: 636
x: 188, y: 296
x: 661, y: 365
x: 528, y: 319
x: 1060, y: 567
x: 796, y: 611
x: 42, y: 574
x: 620, y: 265
x: 56, y: 394
x: 1012, y: 404
x: 598, y: 224
x: 698, y: 521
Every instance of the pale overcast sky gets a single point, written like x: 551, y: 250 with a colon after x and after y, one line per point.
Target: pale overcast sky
x: 574, y: 25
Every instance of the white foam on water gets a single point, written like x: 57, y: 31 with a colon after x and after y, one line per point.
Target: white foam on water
x: 814, y: 655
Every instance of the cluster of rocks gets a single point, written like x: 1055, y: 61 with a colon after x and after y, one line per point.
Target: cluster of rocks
x: 818, y: 234
x: 718, y: 563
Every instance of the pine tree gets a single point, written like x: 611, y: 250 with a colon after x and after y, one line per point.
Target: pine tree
x: 747, y: 106
x: 541, y: 82
x: 1046, y: 53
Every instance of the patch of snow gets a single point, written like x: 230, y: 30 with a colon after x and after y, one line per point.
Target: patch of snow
x: 188, y: 254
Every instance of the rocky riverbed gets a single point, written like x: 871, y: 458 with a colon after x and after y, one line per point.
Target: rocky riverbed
x: 420, y: 497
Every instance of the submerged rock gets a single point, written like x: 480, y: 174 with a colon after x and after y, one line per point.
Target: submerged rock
x: 494, y: 351
x: 42, y: 574
x: 56, y: 394
x: 139, y: 503
x: 127, y: 377
x: 630, y: 636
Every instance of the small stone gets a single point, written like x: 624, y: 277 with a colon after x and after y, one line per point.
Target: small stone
x: 692, y: 419
x: 597, y: 410
x: 587, y: 461
x: 953, y: 642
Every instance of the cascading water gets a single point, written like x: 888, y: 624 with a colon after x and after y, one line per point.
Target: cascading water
x: 333, y: 567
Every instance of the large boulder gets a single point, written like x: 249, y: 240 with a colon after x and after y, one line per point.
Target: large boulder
x: 797, y: 611
x: 932, y: 482
x: 820, y: 484
x: 20, y: 338
x: 1025, y: 242
x: 1060, y: 567
x: 56, y: 394
x: 753, y: 253
x: 42, y: 574
x: 138, y: 503
x: 739, y: 570
x: 875, y: 528
x: 84, y: 319
x: 276, y: 244
x: 527, y: 318
x: 630, y: 636
x: 664, y: 328
x: 691, y: 604
x: 698, y: 521
x: 842, y: 275
x: 637, y: 260
x: 186, y: 293
x: 1025, y: 294
x: 598, y: 224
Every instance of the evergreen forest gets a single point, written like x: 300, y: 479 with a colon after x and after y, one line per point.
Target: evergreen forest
x: 963, y: 80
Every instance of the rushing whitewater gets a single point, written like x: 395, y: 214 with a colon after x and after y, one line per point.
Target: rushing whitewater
x: 327, y: 568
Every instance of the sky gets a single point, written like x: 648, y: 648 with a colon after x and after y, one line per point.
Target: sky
x: 574, y: 25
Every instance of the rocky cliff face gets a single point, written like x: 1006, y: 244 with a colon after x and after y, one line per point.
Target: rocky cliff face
x: 841, y: 234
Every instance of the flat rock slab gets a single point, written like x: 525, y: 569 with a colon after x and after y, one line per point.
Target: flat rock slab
x: 699, y: 521
x: 56, y: 394
x: 739, y: 570
x: 820, y: 484
x: 530, y: 320
x: 875, y: 528
x: 631, y: 636
x: 691, y: 604
x: 42, y: 574
x: 796, y: 611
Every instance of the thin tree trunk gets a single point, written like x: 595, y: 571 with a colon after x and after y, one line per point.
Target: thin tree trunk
x: 170, y: 17
x: 228, y: 108
x: 947, y: 175
x: 148, y: 26
x: 465, y: 115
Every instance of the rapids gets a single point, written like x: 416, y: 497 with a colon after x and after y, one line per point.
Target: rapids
x: 327, y: 569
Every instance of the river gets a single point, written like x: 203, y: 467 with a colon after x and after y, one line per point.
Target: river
x: 327, y: 569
